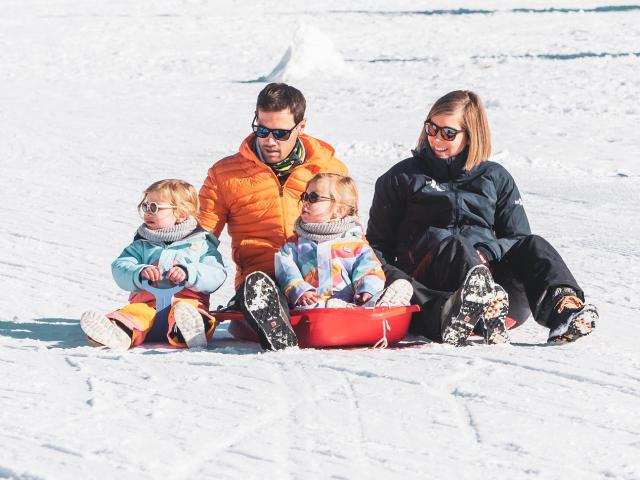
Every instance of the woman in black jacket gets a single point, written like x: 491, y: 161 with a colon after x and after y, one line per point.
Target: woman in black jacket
x: 447, y: 218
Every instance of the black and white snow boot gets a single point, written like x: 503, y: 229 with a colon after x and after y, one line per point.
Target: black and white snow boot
x: 264, y: 313
x: 571, y: 319
x: 494, y: 316
x: 465, y: 307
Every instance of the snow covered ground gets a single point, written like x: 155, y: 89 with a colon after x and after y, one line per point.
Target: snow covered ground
x: 100, y: 98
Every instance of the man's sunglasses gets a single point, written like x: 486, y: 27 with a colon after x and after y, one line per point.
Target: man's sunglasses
x: 313, y: 197
x: 279, y: 134
x: 446, y: 133
x: 153, y: 207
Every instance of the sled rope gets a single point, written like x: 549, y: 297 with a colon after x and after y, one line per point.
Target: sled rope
x: 383, y: 342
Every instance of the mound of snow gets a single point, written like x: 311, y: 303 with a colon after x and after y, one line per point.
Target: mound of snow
x: 310, y: 53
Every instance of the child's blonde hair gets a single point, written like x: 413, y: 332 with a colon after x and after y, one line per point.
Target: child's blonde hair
x: 474, y: 123
x: 176, y: 192
x: 343, y: 189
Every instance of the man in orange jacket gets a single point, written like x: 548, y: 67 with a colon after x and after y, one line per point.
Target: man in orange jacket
x: 256, y: 193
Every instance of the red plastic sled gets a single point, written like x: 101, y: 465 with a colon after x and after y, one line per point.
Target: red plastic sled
x: 341, y: 327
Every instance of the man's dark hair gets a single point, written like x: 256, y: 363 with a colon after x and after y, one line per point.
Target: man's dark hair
x: 280, y: 96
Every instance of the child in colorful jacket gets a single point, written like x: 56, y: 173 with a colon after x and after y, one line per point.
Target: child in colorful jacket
x: 169, y: 244
x: 328, y: 262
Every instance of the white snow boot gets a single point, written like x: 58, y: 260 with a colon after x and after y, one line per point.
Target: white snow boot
x: 397, y: 294
x: 190, y: 325
x: 104, y: 330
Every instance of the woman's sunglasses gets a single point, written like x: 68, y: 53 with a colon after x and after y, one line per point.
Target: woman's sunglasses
x: 446, y: 133
x: 153, y: 207
x: 279, y: 134
x: 313, y: 197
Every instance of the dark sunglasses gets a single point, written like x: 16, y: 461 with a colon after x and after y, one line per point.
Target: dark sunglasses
x: 446, y: 133
x: 154, y: 207
x: 313, y: 197
x: 279, y: 134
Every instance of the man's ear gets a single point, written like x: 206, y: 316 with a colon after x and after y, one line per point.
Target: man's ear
x: 302, y: 125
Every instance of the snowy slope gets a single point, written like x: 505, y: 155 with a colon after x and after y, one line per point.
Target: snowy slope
x: 99, y: 99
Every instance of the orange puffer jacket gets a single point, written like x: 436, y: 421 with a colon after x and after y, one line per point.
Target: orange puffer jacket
x: 244, y: 193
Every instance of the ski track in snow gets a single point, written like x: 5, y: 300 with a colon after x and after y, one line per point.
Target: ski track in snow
x: 100, y: 99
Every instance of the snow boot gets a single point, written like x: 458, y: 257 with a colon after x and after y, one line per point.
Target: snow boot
x: 494, y: 315
x: 465, y: 307
x: 571, y: 319
x: 264, y: 313
x: 397, y: 294
x: 104, y: 330
x: 190, y: 325
x: 338, y: 303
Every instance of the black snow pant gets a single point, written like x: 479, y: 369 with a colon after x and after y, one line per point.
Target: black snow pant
x: 527, y: 272
x: 244, y: 330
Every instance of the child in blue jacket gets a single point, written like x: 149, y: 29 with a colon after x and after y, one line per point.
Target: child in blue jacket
x: 169, y: 244
x: 328, y: 262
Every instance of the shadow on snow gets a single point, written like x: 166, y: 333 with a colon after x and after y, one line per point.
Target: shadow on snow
x: 66, y: 333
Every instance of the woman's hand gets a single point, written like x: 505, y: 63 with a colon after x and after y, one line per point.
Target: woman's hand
x: 152, y: 273
x: 176, y: 274
x: 308, y: 298
x: 363, y: 297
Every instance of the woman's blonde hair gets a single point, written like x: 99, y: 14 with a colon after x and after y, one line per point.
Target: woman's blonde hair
x: 343, y: 189
x: 176, y: 192
x: 474, y: 123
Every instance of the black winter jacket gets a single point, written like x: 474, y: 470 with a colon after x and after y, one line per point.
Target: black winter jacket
x: 424, y: 199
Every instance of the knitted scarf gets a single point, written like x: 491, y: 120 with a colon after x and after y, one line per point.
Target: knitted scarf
x: 322, y: 232
x: 283, y: 167
x: 169, y: 234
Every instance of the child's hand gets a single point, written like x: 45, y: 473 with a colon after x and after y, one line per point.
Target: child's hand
x: 153, y: 274
x: 363, y: 297
x: 176, y: 274
x: 308, y: 298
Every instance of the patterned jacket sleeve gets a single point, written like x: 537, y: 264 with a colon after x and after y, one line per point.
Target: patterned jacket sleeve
x: 288, y: 275
x: 367, y: 275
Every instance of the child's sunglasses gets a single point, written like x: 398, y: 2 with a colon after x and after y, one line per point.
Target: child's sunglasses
x: 153, y: 207
x: 313, y: 197
x: 446, y: 133
x: 279, y: 134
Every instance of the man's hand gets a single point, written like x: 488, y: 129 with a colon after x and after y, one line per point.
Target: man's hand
x: 153, y: 273
x: 308, y: 298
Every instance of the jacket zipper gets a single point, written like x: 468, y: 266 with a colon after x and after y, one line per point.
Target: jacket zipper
x: 282, y: 207
x: 281, y: 194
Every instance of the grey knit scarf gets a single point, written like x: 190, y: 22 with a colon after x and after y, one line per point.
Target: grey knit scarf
x: 169, y: 234
x: 322, y: 232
